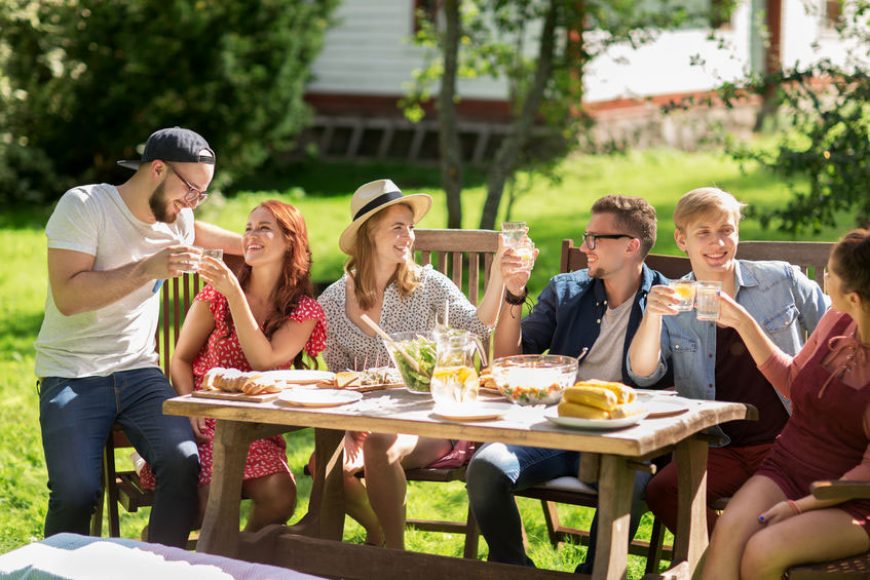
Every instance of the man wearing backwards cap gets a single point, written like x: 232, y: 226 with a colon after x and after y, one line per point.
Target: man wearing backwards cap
x: 109, y: 248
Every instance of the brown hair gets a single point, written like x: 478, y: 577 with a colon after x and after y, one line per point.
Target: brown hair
x: 634, y: 215
x: 850, y: 261
x: 361, y: 268
x: 295, y: 280
x: 703, y: 201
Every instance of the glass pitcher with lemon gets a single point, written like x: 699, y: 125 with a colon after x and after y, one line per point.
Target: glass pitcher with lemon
x: 454, y: 379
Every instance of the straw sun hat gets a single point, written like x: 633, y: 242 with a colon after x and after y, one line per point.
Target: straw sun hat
x: 371, y: 198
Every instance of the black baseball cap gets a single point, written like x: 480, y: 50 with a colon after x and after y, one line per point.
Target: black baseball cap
x: 174, y: 144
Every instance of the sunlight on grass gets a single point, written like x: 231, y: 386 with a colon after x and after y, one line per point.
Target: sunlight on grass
x: 322, y: 192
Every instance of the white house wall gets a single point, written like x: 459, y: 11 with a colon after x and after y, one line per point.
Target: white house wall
x: 369, y: 52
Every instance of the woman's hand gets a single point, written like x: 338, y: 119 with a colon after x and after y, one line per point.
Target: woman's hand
x: 661, y: 300
x: 778, y: 513
x: 731, y: 314
x: 216, y: 273
x: 198, y: 424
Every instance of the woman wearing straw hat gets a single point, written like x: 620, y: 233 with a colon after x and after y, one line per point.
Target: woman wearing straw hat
x: 382, y: 281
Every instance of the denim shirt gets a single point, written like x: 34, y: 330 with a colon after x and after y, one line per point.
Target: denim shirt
x: 786, y: 304
x: 567, y: 317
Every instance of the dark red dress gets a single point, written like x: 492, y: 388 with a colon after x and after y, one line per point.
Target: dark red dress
x: 222, y: 349
x: 825, y: 436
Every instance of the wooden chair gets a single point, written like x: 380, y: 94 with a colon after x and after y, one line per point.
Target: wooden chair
x: 671, y: 266
x: 853, y: 567
x: 124, y: 487
x: 810, y: 257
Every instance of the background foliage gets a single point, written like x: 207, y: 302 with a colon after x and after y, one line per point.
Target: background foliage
x: 78, y: 84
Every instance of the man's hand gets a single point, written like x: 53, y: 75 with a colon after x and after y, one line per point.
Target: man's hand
x: 661, y: 301
x: 172, y: 262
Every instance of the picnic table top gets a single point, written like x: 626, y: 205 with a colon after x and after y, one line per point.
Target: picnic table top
x: 400, y: 411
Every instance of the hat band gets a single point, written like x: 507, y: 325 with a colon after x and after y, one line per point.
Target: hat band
x: 378, y: 201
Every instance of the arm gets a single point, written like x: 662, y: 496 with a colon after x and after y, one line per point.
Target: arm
x: 777, y: 367
x: 212, y: 236
x: 508, y: 332
x: 198, y: 325
x: 76, y: 287
x: 645, y: 352
x: 261, y: 352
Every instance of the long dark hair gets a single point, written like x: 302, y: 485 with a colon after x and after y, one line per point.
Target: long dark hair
x: 295, y: 280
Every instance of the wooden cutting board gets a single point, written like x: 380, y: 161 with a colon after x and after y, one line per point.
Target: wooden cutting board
x: 264, y: 398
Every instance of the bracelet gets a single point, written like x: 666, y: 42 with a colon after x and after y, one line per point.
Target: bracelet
x: 515, y: 300
x: 794, y: 506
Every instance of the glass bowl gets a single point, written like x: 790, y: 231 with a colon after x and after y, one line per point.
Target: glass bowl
x: 534, y: 379
x: 420, y: 346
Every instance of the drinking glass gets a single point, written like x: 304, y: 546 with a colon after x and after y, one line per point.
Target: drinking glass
x: 513, y: 233
x: 216, y: 253
x: 193, y: 265
x: 685, y: 292
x: 707, y: 300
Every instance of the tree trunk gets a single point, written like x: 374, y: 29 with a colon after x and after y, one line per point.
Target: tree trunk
x: 448, y: 135
x: 508, y: 155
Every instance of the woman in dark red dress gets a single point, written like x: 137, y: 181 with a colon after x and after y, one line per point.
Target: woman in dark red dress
x: 264, y: 319
x: 774, y: 522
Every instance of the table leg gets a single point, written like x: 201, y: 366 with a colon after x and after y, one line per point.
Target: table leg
x: 325, y: 517
x: 691, y: 537
x: 614, y: 515
x: 220, y: 528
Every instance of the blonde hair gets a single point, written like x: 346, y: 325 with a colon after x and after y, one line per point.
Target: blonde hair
x: 361, y: 268
x: 705, y: 201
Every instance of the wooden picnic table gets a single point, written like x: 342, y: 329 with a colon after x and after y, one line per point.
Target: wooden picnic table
x: 313, y: 545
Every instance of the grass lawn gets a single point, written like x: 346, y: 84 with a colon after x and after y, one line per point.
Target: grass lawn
x: 322, y: 192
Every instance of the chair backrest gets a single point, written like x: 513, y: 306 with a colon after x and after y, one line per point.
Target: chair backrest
x: 810, y: 257
x: 175, y: 299
x: 463, y: 255
x: 670, y: 266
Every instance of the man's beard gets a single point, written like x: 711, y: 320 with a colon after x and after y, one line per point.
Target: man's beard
x: 157, y: 203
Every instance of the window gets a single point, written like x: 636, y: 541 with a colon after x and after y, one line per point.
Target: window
x: 833, y: 11
x: 425, y: 9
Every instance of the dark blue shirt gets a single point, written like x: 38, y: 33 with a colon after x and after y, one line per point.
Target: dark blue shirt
x: 567, y: 317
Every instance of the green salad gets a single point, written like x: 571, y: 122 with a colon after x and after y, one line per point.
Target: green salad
x: 422, y: 350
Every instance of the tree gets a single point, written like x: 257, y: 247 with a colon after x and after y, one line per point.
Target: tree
x: 83, y: 82
x: 544, y: 91
x: 823, y: 150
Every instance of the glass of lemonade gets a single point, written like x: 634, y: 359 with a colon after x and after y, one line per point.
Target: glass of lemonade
x: 707, y: 300
x: 684, y: 290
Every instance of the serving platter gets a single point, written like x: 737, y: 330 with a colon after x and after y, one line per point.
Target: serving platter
x: 299, y: 376
x: 227, y: 396
x: 552, y: 415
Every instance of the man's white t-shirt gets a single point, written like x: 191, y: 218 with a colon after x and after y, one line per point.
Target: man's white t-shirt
x: 604, y: 360
x: 93, y: 219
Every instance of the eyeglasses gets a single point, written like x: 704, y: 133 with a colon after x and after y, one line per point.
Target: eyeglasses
x: 591, y: 240
x: 193, y: 196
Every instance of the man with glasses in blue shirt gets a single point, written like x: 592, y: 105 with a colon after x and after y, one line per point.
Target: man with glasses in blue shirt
x: 597, y: 310
x: 109, y: 248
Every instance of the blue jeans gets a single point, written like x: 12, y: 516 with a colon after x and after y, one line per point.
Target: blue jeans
x: 497, y: 470
x: 76, y: 417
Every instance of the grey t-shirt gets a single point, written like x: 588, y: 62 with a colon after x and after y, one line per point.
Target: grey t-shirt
x: 604, y: 360
x: 95, y: 220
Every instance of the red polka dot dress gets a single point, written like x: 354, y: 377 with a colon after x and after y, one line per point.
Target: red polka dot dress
x: 222, y: 349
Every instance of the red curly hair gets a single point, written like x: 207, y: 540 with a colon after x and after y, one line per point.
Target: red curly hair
x: 295, y: 281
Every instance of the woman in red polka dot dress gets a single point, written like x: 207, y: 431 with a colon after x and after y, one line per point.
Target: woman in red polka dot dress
x: 262, y: 320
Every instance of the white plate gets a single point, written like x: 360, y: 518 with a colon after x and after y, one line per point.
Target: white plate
x: 665, y: 407
x: 478, y: 411
x: 300, y: 377
x: 552, y: 415
x: 318, y: 397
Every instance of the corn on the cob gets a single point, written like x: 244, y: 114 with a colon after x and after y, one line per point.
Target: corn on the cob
x: 598, y: 397
x: 624, y: 394
x: 568, y: 409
